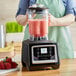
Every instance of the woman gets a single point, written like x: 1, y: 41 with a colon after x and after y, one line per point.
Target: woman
x: 62, y: 14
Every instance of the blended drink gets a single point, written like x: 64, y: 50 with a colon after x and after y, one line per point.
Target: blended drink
x: 38, y: 27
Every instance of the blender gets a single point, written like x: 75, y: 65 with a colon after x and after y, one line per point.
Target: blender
x: 37, y: 51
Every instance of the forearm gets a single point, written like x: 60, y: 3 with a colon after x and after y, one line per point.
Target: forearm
x: 63, y: 21
x: 22, y: 19
x: 66, y: 20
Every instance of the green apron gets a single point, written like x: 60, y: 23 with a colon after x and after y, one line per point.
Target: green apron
x: 59, y: 34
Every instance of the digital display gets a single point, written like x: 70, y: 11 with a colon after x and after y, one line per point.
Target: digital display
x: 43, y: 50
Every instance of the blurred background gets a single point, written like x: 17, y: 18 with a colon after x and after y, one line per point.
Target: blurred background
x: 8, y: 9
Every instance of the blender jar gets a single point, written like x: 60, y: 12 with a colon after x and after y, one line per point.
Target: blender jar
x: 38, y: 22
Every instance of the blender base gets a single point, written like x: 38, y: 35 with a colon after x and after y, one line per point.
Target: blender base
x: 38, y: 55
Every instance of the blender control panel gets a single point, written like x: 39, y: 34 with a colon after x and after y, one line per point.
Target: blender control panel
x: 44, y: 54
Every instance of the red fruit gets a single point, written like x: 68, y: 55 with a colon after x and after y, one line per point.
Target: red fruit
x: 7, y: 65
x: 8, y: 60
x: 14, y: 64
x: 2, y: 65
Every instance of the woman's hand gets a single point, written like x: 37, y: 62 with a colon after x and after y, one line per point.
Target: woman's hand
x: 52, y: 20
x: 22, y: 19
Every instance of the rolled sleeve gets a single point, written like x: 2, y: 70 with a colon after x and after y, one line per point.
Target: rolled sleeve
x: 23, y: 5
x: 21, y: 12
x: 71, y: 7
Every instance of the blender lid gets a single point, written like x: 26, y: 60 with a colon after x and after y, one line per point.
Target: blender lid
x: 37, y: 7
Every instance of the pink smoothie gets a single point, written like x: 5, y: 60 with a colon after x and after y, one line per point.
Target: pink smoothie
x: 38, y: 27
